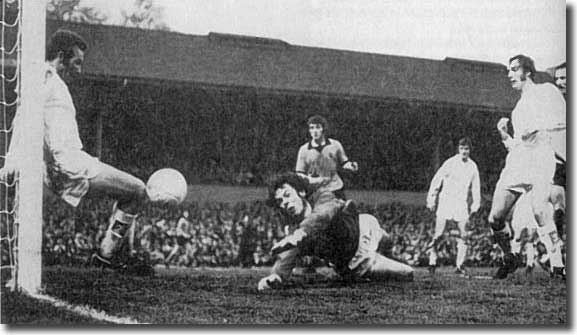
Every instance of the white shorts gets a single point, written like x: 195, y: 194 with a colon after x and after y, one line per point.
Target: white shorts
x: 68, y: 174
x: 527, y: 166
x: 370, y: 235
x: 449, y: 210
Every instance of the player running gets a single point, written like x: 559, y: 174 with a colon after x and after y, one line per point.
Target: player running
x: 70, y: 172
x: 450, y: 188
x: 530, y: 163
x: 329, y: 228
x: 319, y: 159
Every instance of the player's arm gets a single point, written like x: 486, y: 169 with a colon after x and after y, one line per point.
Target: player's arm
x: 508, y: 141
x: 435, y: 187
x: 14, y: 154
x: 476, y: 191
x: 343, y: 159
x: 281, y: 271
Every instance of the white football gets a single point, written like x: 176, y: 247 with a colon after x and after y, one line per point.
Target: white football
x: 167, y: 186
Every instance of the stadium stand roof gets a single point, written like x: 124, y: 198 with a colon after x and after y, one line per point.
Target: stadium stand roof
x: 244, y: 61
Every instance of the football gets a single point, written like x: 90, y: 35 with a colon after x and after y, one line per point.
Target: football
x: 166, y: 186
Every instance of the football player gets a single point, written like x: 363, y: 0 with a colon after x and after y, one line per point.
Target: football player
x: 530, y: 163
x: 319, y: 159
x: 70, y: 171
x: 450, y: 189
x: 331, y: 229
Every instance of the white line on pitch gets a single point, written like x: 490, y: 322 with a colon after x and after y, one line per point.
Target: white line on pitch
x: 84, y: 310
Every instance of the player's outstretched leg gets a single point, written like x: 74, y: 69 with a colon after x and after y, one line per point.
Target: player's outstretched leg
x: 130, y: 195
x: 383, y: 268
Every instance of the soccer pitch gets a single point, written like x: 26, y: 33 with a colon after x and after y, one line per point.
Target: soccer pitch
x: 223, y: 296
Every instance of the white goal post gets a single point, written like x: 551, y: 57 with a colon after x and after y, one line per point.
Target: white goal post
x: 28, y: 210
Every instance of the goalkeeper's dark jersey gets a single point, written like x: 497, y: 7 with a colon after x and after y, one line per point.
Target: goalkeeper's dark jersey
x: 332, y: 233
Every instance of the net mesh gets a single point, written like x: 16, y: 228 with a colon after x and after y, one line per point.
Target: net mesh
x: 10, y: 23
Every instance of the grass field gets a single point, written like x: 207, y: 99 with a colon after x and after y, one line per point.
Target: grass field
x: 229, y: 296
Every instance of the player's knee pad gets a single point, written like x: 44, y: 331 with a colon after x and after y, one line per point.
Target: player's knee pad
x: 120, y: 221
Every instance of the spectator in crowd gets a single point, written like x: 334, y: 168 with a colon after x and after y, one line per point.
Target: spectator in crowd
x: 410, y: 227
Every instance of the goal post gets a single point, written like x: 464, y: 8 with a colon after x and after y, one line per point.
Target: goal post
x: 24, y: 212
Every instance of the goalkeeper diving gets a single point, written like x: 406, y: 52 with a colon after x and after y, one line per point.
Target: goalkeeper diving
x: 329, y: 228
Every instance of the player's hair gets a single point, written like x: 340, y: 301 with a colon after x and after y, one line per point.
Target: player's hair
x: 64, y: 41
x: 466, y: 141
x: 318, y: 119
x: 561, y: 66
x: 527, y: 64
x: 291, y: 178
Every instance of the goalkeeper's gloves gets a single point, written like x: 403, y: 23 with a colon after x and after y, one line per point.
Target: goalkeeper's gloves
x: 288, y: 242
x: 271, y: 282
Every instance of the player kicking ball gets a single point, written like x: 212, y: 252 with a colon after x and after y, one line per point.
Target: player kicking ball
x: 331, y: 229
x: 71, y: 173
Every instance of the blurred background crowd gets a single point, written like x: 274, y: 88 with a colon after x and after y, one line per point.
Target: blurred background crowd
x: 222, y: 234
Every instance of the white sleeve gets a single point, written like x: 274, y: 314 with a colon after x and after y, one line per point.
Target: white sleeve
x: 476, y: 187
x: 436, y: 185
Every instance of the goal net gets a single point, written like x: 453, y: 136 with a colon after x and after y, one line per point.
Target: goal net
x: 22, y: 47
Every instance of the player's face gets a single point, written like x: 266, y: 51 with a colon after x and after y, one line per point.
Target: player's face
x: 561, y: 79
x: 289, y: 200
x: 73, y: 66
x: 517, y: 75
x: 316, y: 131
x: 464, y: 151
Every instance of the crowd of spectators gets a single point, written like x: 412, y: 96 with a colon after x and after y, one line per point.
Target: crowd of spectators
x: 222, y: 234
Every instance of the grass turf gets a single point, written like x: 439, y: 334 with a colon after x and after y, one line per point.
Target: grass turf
x: 229, y: 296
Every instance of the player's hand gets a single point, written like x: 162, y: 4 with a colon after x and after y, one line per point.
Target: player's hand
x: 7, y: 172
x: 271, y: 282
x: 351, y: 166
x: 288, y: 242
x: 503, y: 125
